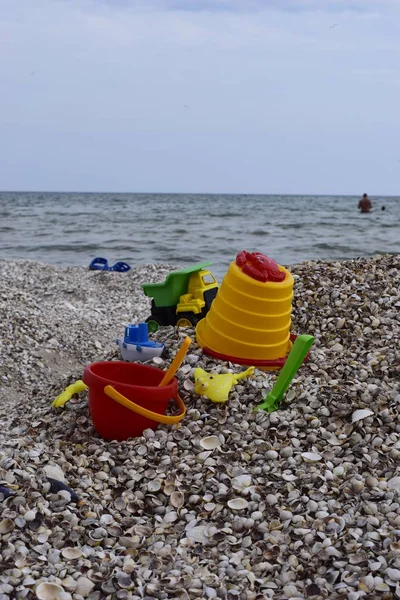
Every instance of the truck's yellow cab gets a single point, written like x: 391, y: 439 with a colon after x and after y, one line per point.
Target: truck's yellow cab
x: 200, y: 292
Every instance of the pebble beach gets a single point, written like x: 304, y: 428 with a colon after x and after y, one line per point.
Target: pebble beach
x: 300, y: 503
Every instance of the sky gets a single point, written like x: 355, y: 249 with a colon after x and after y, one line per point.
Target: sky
x: 201, y: 96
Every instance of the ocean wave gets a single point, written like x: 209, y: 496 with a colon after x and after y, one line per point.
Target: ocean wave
x: 67, y: 229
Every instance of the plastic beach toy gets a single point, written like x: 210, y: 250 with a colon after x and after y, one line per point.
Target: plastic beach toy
x: 101, y: 264
x: 126, y: 398
x: 298, y: 353
x: 249, y: 320
x: 217, y: 387
x: 136, y: 345
x: 176, y: 363
x: 183, y: 298
x: 74, y: 388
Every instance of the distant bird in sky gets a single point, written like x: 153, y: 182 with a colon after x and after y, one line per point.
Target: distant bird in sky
x: 32, y: 72
x: 185, y: 106
x: 334, y: 25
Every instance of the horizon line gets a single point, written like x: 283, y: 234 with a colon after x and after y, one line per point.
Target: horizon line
x: 195, y: 193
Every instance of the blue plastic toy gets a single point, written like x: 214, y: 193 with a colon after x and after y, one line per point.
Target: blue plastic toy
x: 136, y: 345
x: 101, y: 264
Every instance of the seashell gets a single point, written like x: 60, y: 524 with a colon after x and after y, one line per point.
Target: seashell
x: 238, y: 503
x: 335, y: 524
x: 202, y: 456
x: 188, y: 385
x: 171, y: 517
x: 120, y: 504
x: 311, y: 456
x: 57, y: 486
x: 49, y: 591
x: 30, y: 515
x: 194, y: 499
x: 154, y: 485
x: 394, y: 483
x: 6, y: 526
x: 71, y: 553
x: 210, y: 442
x: 157, y: 360
x: 381, y: 586
x: 360, y: 414
x: 197, y: 534
x: 241, y: 482
x: 124, y: 580
x: 69, y: 583
x: 54, y: 472
x: 98, y: 534
x: 84, y: 587
x: 366, y: 583
x: 115, y: 531
x: 106, y: 519
x: 393, y: 574
x: 177, y: 499
x: 108, y: 586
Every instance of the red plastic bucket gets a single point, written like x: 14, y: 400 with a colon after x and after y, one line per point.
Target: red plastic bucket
x: 124, y: 398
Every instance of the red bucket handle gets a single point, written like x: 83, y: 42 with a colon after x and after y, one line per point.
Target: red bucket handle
x: 149, y: 414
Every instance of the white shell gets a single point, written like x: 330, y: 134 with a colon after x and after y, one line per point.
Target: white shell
x: 210, y: 442
x: 84, y: 587
x: 197, y: 534
x: 71, y: 553
x: 238, y: 503
x: 360, y: 414
x: 6, y: 526
x: 106, y: 519
x: 241, y: 482
x: 154, y: 485
x: 311, y: 456
x: 177, y: 499
x: 393, y: 574
x: 188, y: 385
x: 54, y: 472
x: 171, y: 517
x: 69, y: 583
x: 202, y: 456
x: 394, y: 483
x: 334, y: 524
x: 49, y: 591
x: 158, y: 360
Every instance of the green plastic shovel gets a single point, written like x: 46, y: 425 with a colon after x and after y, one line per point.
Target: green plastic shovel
x: 297, y: 354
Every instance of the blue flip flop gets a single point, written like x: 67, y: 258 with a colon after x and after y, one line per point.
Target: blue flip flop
x: 120, y: 266
x: 99, y: 264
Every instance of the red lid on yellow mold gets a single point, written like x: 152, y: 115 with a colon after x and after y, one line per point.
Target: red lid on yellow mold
x: 259, y: 267
x: 249, y: 320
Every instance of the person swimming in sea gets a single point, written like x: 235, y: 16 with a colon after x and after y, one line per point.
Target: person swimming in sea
x: 365, y: 204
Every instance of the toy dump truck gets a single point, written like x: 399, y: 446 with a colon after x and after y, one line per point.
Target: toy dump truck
x: 183, y: 298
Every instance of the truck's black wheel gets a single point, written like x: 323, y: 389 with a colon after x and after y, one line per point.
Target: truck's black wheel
x: 186, y: 319
x: 152, y: 324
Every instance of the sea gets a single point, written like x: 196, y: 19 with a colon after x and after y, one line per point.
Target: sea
x: 70, y: 229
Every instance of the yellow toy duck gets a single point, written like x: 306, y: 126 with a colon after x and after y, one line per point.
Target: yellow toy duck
x: 217, y: 387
